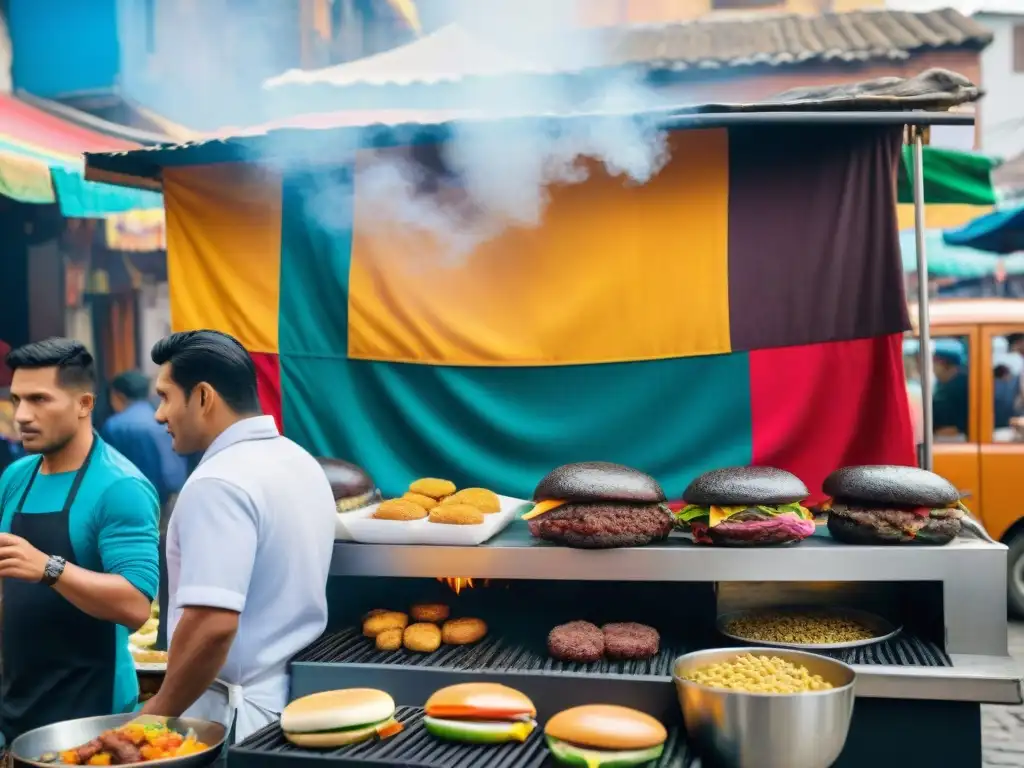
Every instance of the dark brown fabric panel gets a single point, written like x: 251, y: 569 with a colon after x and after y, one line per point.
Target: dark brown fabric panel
x: 814, y: 252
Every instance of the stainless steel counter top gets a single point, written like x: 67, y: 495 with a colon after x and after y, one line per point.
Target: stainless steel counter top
x: 514, y: 554
x: 985, y: 679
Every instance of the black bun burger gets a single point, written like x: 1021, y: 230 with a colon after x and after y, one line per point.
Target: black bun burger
x: 351, y: 485
x: 746, y: 506
x: 599, y: 505
x: 892, y: 505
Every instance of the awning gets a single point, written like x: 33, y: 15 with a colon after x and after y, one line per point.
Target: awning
x: 41, y: 161
x: 448, y: 55
x: 946, y: 260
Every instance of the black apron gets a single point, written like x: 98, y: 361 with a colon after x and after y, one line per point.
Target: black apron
x: 58, y: 661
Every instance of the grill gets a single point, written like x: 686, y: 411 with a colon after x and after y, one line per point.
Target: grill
x: 415, y: 748
x: 500, y: 654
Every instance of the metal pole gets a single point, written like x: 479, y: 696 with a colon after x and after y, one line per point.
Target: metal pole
x: 923, y: 327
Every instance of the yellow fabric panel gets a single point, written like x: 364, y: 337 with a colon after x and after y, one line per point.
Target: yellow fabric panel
x: 941, y: 215
x: 224, y: 250
x: 615, y: 272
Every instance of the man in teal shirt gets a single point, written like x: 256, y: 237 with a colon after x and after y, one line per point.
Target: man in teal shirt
x: 78, y: 550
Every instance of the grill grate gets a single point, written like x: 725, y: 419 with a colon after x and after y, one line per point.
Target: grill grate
x: 499, y: 654
x: 415, y: 748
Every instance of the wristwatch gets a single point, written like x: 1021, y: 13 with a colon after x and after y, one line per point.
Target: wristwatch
x: 53, y: 570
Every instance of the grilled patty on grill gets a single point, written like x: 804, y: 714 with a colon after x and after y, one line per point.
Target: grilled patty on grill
x: 578, y: 641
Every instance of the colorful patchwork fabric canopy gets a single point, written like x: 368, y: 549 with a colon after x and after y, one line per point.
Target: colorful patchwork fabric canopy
x: 745, y: 306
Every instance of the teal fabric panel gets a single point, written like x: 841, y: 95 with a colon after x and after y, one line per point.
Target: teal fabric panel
x: 316, y: 248
x: 504, y: 428
x: 81, y: 199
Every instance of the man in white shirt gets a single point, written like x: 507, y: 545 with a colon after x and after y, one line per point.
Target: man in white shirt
x: 249, y: 542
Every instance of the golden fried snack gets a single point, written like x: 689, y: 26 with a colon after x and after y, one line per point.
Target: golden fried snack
x: 420, y: 500
x: 463, y: 631
x: 456, y: 514
x: 389, y: 640
x: 374, y: 625
x: 481, y: 498
x: 432, y: 612
x: 433, y: 487
x: 423, y: 638
x: 399, y: 509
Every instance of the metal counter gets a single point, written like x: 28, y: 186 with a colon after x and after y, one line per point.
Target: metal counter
x: 972, y: 572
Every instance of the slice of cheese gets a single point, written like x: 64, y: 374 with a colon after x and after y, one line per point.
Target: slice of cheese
x: 543, y: 506
x: 718, y: 515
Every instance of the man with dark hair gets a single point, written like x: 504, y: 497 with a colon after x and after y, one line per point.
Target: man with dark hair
x: 133, y: 431
x: 78, y: 550
x: 249, y: 543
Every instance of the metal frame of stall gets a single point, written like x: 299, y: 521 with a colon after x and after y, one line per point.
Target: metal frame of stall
x: 910, y: 703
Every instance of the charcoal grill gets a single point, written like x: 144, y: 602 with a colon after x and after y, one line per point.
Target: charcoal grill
x: 507, y: 654
x: 415, y: 748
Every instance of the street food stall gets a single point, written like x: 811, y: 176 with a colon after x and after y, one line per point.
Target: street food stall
x: 745, y: 306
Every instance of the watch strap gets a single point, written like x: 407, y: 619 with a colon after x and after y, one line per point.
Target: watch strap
x: 54, y: 570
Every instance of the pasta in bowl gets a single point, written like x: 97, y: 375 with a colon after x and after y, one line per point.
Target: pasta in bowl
x: 771, y: 707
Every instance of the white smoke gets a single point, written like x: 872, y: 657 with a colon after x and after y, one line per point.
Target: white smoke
x: 497, y: 169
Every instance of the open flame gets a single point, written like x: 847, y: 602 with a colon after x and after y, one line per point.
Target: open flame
x: 459, y: 583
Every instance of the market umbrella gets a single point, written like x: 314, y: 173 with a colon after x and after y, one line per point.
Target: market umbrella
x: 946, y: 260
x: 996, y: 232
x: 949, y: 177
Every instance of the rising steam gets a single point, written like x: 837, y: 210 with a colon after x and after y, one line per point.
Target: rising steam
x: 493, y: 175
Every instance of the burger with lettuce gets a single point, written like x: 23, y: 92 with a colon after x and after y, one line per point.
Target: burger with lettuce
x: 746, y: 506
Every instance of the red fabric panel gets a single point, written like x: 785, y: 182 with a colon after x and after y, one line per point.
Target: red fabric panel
x: 819, y: 407
x: 268, y: 381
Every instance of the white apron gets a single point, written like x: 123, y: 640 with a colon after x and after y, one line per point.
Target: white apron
x: 248, y: 708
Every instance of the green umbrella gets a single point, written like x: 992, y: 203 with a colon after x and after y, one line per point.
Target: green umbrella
x: 949, y: 177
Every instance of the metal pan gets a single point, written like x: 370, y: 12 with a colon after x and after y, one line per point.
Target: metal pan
x: 882, y: 629
x: 29, y: 747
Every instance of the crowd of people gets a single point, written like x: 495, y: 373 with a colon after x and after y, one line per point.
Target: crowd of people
x: 81, y: 516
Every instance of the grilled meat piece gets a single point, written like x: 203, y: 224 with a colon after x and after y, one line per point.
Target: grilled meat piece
x: 122, y: 750
x: 860, y: 524
x: 603, y: 525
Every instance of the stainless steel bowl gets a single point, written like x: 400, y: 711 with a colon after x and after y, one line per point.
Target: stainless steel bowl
x: 766, y: 730
x: 30, y: 746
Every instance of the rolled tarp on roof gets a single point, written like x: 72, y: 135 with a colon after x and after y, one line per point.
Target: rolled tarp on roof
x: 41, y: 162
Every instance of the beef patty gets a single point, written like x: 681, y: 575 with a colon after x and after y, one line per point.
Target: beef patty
x: 578, y: 641
x: 629, y: 640
x: 603, y: 525
x: 859, y: 524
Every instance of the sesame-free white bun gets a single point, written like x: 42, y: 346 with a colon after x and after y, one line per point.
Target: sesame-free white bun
x: 337, y: 709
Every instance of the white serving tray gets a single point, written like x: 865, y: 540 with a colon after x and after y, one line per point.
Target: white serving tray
x: 359, y: 525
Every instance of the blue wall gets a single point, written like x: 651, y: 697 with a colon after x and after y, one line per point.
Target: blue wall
x: 64, y: 46
x: 201, y: 63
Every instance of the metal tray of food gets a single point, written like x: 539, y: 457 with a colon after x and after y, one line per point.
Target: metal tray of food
x: 40, y: 748
x: 877, y: 628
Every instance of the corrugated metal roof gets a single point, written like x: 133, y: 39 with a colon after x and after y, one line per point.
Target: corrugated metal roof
x: 454, y: 52
x: 892, y: 101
